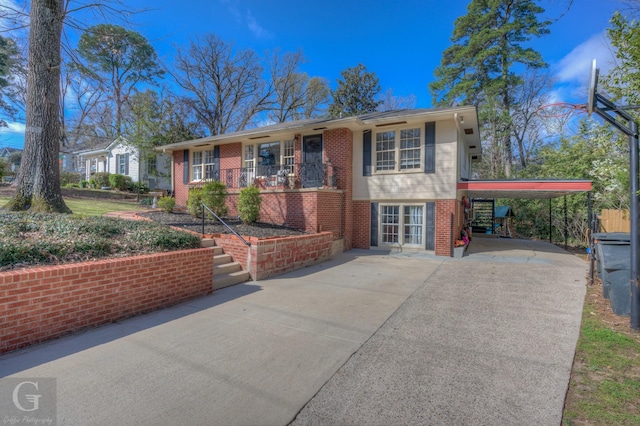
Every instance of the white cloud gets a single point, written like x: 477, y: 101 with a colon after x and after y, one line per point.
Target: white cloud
x: 576, y: 66
x: 256, y: 28
x: 13, y: 127
x: 247, y: 18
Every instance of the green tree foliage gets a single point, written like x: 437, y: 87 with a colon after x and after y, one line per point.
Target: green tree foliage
x: 119, y: 60
x: 623, y: 82
x: 488, y: 44
x: 598, y: 153
x: 355, y: 94
x: 249, y: 205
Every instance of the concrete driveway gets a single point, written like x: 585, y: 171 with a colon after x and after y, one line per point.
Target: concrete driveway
x: 367, y: 338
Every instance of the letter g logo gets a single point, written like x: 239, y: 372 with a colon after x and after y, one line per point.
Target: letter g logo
x: 33, y: 399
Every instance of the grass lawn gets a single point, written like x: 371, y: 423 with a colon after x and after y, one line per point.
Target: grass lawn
x: 605, y: 379
x: 93, y: 207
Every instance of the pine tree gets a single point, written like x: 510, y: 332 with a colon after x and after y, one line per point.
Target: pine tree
x: 488, y: 43
x: 355, y: 93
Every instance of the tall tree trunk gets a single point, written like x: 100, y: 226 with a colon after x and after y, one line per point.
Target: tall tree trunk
x: 38, y: 182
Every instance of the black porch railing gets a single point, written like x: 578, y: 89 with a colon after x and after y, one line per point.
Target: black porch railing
x: 301, y: 175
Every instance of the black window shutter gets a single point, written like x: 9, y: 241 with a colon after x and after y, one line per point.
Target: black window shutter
x: 216, y: 162
x: 366, y: 153
x: 117, y: 163
x: 185, y: 166
x: 126, y: 164
x: 430, y: 147
x: 374, y: 224
x: 430, y: 226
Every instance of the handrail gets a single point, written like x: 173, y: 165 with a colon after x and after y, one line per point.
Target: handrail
x: 204, y: 206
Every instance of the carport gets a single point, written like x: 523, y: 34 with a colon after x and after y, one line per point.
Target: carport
x: 528, y: 189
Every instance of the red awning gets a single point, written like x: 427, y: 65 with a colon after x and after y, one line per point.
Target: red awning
x: 523, y: 188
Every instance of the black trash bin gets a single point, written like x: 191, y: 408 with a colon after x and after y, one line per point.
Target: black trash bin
x: 613, y: 255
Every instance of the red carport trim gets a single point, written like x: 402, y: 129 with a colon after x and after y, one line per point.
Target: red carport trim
x: 527, y: 185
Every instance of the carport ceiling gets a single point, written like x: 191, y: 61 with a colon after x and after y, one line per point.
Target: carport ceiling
x: 517, y: 189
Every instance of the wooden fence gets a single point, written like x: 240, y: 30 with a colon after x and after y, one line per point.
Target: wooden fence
x: 615, y: 221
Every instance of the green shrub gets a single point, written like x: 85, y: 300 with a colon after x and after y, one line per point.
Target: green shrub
x: 193, y: 202
x: 137, y: 186
x: 101, y: 179
x: 214, y: 196
x: 120, y: 182
x: 167, y: 204
x: 84, y: 184
x: 249, y: 205
x: 31, y: 239
x: 67, y: 178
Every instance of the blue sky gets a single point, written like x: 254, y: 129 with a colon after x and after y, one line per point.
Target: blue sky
x: 400, y: 41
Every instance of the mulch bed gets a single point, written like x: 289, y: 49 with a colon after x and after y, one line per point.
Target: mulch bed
x: 184, y: 220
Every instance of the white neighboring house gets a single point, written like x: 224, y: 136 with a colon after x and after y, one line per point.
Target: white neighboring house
x: 122, y: 158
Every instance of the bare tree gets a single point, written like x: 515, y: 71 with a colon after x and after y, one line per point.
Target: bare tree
x: 225, y: 86
x: 38, y: 181
x: 296, y: 96
x: 528, y: 129
x: 391, y: 102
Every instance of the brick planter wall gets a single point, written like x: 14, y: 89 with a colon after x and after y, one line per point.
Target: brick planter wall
x: 444, y: 234
x: 38, y: 304
x: 275, y: 256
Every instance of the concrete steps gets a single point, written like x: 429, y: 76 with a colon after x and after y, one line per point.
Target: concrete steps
x: 226, y: 272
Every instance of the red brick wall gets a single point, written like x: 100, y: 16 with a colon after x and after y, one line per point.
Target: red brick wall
x: 180, y: 189
x: 444, y: 236
x: 230, y: 156
x: 361, y: 224
x: 298, y: 208
x: 338, y: 148
x: 42, y: 303
x: 274, y: 256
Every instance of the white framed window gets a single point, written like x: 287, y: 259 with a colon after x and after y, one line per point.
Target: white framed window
x: 288, y: 155
x: 385, y: 151
x: 402, y: 224
x: 203, y: 165
x: 410, y: 146
x: 398, y: 150
x: 196, y: 166
x: 122, y: 164
x: 413, y: 224
x: 152, y: 166
x: 390, y: 224
x: 209, y: 166
x: 269, y: 157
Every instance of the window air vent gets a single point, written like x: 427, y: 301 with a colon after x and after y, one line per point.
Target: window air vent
x: 472, y: 147
x: 319, y: 128
x: 468, y: 131
x: 259, y: 137
x: 202, y: 144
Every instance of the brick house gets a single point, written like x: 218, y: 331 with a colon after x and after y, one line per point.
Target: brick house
x: 384, y: 180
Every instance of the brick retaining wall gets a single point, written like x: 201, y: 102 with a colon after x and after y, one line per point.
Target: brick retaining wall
x: 274, y: 256
x: 41, y: 303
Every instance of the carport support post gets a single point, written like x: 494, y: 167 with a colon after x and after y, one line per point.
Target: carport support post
x: 566, y: 223
x: 550, y: 229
